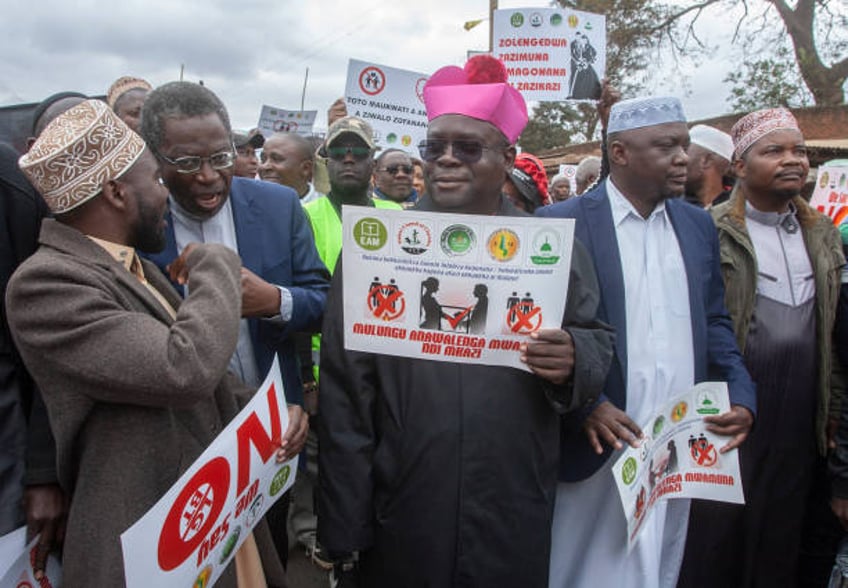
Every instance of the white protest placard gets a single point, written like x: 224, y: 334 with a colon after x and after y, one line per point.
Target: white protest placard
x: 678, y: 458
x: 279, y: 120
x: 391, y: 100
x: 552, y: 53
x: 569, y: 171
x: 452, y: 287
x: 16, y: 559
x: 194, y: 531
x: 830, y: 195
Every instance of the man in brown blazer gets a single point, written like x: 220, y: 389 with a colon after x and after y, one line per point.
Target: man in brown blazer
x: 135, y: 380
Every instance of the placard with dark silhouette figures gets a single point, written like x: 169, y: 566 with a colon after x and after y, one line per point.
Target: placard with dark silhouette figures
x: 436, y: 316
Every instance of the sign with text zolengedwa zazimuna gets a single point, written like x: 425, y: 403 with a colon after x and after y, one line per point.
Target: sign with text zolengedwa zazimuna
x: 192, y: 534
x: 552, y: 53
x: 452, y: 287
x: 391, y: 100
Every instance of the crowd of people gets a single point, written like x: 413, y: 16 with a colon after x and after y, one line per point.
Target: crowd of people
x: 155, y: 261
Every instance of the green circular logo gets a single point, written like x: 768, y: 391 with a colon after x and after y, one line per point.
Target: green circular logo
x: 457, y: 240
x: 556, y: 19
x: 517, y: 19
x: 628, y: 470
x: 280, y: 480
x: 370, y: 233
x: 659, y: 423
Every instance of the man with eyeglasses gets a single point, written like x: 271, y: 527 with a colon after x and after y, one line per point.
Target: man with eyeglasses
x: 443, y: 474
x: 284, y: 282
x: 393, y: 173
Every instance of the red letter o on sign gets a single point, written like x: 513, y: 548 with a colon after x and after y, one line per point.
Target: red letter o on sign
x: 194, y: 513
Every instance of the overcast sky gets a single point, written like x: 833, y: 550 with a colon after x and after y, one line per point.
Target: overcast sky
x: 253, y: 52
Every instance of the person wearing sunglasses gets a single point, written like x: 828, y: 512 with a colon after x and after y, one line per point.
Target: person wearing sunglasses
x: 284, y: 283
x: 393, y: 176
x: 443, y: 474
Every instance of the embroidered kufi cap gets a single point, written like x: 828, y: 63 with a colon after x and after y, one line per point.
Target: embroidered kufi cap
x: 79, y: 151
x: 123, y: 85
x: 754, y: 126
x: 713, y: 139
x: 636, y: 113
x: 479, y: 90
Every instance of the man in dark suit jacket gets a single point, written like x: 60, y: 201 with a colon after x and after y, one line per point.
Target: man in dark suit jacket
x: 284, y: 282
x: 647, y: 139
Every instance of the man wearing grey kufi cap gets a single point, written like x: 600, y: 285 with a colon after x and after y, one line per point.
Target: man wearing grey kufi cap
x: 710, y: 154
x: 661, y: 287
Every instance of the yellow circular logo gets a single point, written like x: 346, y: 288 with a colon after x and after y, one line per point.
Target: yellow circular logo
x: 678, y: 413
x: 202, y: 580
x: 502, y: 245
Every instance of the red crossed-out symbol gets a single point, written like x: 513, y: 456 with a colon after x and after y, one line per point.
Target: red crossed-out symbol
x: 522, y: 319
x: 372, y: 80
x: 704, y: 453
x: 386, y: 303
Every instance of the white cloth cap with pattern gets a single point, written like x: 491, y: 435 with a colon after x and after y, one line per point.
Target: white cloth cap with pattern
x: 636, y: 113
x: 78, y: 152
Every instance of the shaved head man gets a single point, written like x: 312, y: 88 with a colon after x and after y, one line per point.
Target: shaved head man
x: 288, y: 159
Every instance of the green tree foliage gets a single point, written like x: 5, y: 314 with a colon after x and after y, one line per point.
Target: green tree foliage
x: 766, y: 83
x: 795, y: 54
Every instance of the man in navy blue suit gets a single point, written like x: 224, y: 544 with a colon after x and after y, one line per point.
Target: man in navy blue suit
x: 284, y: 282
x: 657, y: 260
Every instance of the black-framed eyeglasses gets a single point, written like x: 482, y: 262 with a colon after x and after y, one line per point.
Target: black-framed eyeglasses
x: 467, y: 151
x: 191, y: 164
x: 398, y: 167
x: 339, y: 153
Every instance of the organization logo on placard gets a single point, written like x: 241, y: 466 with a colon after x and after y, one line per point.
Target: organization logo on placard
x: 194, y: 513
x: 678, y: 413
x: 372, y: 80
x: 573, y: 21
x: 458, y: 240
x: 536, y: 19
x: 628, y: 470
x: 202, y: 580
x: 503, y: 244
x: 279, y: 480
x: 229, y: 545
x: 556, y: 19
x: 546, y: 247
x: 517, y: 19
x: 707, y: 403
x: 370, y: 233
x: 415, y: 238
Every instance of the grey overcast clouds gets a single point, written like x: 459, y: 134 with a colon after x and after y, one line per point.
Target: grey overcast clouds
x: 252, y: 52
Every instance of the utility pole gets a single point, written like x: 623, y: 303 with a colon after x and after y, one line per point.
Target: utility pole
x: 493, y: 5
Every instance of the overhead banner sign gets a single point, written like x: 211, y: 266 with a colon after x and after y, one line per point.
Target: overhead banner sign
x: 192, y: 534
x: 452, y: 287
x: 678, y: 458
x: 391, y: 100
x: 279, y: 120
x: 550, y: 53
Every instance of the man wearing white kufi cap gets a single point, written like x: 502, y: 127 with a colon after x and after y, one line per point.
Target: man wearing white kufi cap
x: 710, y: 153
x: 658, y: 268
x: 781, y: 262
x: 133, y: 380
